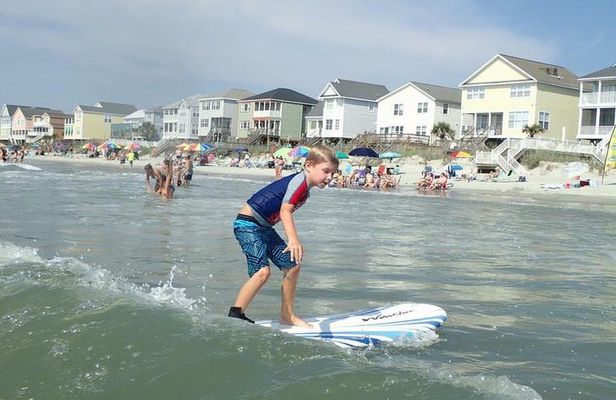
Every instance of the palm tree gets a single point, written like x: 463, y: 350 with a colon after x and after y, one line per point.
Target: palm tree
x: 442, y: 130
x: 532, y: 130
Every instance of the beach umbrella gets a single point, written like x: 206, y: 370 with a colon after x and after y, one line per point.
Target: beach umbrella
x: 390, y: 155
x: 282, y: 152
x: 133, y: 146
x: 363, y: 152
x: 113, y: 145
x: 341, y: 155
x: 299, y: 151
x: 89, y: 146
x: 461, y: 154
x: 575, y: 168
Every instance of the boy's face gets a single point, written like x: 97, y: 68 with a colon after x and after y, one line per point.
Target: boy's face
x: 320, y: 174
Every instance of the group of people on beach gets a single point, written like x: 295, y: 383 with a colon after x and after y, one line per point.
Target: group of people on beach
x: 15, y: 156
x: 171, y: 174
x: 384, y: 178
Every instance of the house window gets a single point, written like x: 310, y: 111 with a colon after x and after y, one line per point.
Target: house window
x: 107, y: 118
x: 338, y: 102
x: 398, y: 130
x: 421, y: 130
x: 422, y: 108
x: 372, y: 107
x: 313, y: 124
x: 244, y: 124
x: 337, y: 125
x: 182, y: 128
x: 245, y: 106
x: 517, y: 119
x: 544, y: 120
x: 195, y: 114
x: 329, y: 105
x: 398, y: 109
x: 445, y: 108
x: 384, y: 130
x: 475, y: 93
x: 205, y: 123
x: 520, y: 90
x: 328, y: 124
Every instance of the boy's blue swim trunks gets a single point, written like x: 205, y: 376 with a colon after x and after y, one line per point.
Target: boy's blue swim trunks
x: 260, y: 243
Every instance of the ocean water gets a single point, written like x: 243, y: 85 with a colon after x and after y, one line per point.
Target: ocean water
x: 109, y: 292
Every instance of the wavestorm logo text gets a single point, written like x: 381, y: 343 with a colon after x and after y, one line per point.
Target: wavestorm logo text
x: 384, y: 316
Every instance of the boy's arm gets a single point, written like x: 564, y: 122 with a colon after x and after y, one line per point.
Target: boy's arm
x: 147, y: 181
x: 294, y: 246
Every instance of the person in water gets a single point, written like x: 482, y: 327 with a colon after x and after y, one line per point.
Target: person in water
x: 162, y: 177
x: 253, y: 228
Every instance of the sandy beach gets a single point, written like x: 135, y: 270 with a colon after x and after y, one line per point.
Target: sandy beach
x: 546, y: 175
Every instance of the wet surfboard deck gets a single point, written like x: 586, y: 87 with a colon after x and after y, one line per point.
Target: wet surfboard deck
x: 372, y: 327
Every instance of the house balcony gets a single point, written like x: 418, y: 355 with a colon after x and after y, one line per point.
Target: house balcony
x: 598, y: 99
x: 267, y: 114
x: 489, y: 124
x: 594, y: 132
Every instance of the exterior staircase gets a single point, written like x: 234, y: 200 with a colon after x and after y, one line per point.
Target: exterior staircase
x: 164, y: 146
x: 506, y: 154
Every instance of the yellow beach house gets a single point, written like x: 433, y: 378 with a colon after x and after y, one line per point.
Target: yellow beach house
x: 94, y: 122
x: 507, y: 93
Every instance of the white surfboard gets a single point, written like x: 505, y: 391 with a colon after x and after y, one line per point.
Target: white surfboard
x: 370, y: 327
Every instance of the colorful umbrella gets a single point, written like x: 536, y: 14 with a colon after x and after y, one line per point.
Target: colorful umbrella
x: 282, y: 152
x: 341, y: 155
x: 89, y: 146
x: 133, y: 146
x: 299, y: 151
x: 363, y: 152
x: 461, y: 154
x: 390, y: 155
x: 113, y: 145
x: 197, y: 147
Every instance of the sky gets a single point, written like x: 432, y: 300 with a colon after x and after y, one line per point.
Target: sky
x: 149, y: 53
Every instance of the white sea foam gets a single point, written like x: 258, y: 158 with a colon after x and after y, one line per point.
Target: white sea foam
x: 100, y: 278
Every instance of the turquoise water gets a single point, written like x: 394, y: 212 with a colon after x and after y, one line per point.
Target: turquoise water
x: 108, y: 292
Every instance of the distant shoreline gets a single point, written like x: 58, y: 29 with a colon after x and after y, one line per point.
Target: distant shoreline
x: 411, y: 172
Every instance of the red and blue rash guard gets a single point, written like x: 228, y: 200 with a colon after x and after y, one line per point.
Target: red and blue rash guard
x: 266, y: 203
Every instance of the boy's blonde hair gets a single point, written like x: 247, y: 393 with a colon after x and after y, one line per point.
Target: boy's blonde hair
x: 320, y: 153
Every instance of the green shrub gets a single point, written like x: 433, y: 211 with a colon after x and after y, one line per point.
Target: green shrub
x: 531, y: 158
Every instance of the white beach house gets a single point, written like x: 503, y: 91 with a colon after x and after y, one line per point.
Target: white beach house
x: 349, y: 108
x: 597, y: 108
x: 181, y: 118
x: 410, y: 111
x: 218, y: 114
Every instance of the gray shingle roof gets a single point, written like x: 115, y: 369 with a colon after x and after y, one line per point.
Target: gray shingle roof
x: 30, y: 111
x: 285, y: 95
x: 609, y: 72
x: 91, y: 108
x: 117, y: 108
x: 359, y: 90
x: 544, y: 72
x: 13, y: 107
x: 237, y: 94
x: 317, y: 111
x: 441, y: 93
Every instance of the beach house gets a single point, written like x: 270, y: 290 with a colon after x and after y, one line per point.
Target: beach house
x: 132, y: 125
x: 181, y: 118
x: 48, y: 126
x: 410, y: 111
x: 94, y: 122
x: 22, y: 128
x: 277, y: 114
x: 507, y: 93
x: 350, y: 108
x: 218, y: 114
x: 6, y: 121
x: 597, y: 106
x: 314, y: 121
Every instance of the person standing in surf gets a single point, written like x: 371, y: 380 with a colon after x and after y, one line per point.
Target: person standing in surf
x: 253, y: 229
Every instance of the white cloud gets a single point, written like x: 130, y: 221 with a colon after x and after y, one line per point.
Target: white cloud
x: 154, y: 51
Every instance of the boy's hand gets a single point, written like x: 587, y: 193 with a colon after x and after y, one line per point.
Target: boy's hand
x: 296, y: 251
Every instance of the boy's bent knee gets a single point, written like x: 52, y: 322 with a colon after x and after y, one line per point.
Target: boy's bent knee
x: 263, y: 274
